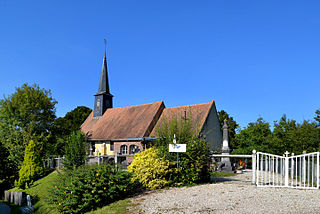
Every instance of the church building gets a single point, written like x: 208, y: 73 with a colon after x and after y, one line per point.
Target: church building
x: 119, y: 133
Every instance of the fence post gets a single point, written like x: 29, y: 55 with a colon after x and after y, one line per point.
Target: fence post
x: 254, y: 163
x: 318, y: 173
x: 286, y: 169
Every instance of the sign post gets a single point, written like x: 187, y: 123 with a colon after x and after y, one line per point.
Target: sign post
x: 177, y: 148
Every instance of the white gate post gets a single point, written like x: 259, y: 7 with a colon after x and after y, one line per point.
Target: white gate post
x: 286, y: 170
x: 254, y: 163
x: 318, y: 174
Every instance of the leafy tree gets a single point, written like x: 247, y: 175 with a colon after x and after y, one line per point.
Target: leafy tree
x: 75, y: 150
x: 32, y: 168
x: 64, y: 126
x: 288, y: 135
x: 27, y: 114
x: 233, y: 125
x: 8, y: 170
x: 256, y: 136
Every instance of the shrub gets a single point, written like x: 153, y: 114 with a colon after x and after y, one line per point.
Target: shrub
x: 88, y: 187
x: 75, y: 150
x: 32, y: 168
x: 153, y: 172
x: 194, y: 163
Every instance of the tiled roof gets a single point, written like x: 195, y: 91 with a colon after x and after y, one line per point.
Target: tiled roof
x: 198, y: 113
x: 125, y: 122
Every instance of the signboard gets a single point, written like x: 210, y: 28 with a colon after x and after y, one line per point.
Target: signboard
x: 177, y: 147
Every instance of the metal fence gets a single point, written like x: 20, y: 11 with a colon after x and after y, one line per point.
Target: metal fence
x: 297, y: 171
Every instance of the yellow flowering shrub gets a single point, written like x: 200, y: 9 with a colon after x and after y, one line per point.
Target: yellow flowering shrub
x: 150, y: 170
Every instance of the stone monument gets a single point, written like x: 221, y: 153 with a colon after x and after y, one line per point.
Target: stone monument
x: 225, y: 161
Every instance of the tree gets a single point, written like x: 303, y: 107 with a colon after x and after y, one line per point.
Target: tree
x: 27, y: 114
x: 75, y: 150
x: 288, y: 135
x: 317, y: 117
x: 256, y: 136
x: 32, y: 168
x: 64, y: 126
x: 232, y: 127
x: 8, y: 170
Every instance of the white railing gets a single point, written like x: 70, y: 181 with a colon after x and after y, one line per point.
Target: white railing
x: 297, y: 171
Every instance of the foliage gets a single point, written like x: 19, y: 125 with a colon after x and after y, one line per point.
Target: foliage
x: 256, y: 135
x: 153, y: 172
x: 75, y: 150
x: 88, y: 187
x: 193, y: 164
x: 26, y: 114
x: 233, y: 125
x: 294, y: 137
x: 287, y: 135
x: 64, y: 126
x: 8, y: 170
x: 32, y: 168
x: 317, y: 117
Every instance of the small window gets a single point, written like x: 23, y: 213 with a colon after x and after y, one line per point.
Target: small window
x: 134, y: 149
x: 111, y: 146
x: 124, y: 149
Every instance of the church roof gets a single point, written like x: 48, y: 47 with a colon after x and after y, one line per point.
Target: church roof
x: 124, y: 122
x: 197, y: 112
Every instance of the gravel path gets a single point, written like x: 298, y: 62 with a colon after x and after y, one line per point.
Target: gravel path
x: 234, y: 195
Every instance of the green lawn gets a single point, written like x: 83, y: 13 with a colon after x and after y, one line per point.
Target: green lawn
x: 118, y: 207
x: 222, y: 174
x: 39, y: 194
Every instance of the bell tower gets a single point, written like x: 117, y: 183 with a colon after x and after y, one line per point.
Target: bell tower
x: 103, y: 99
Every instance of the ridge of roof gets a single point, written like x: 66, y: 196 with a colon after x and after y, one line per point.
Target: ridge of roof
x: 186, y: 106
x: 122, y: 107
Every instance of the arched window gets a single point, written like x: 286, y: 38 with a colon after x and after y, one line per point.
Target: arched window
x: 134, y: 149
x: 124, y: 149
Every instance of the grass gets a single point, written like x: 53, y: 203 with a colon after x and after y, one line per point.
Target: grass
x: 222, y: 174
x: 118, y: 207
x: 39, y: 193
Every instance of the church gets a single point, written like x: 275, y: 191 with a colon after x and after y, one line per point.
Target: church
x: 117, y: 134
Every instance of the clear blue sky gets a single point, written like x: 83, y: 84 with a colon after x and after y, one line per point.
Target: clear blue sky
x: 254, y: 58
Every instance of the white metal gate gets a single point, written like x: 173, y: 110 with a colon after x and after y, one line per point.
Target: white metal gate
x: 297, y: 171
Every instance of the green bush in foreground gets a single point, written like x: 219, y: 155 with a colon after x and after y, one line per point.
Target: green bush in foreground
x: 89, y: 187
x: 32, y: 168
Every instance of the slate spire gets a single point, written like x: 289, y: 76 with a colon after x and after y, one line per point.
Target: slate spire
x: 104, y: 82
x: 103, y: 99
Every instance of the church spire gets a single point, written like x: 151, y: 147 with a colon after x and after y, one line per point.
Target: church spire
x: 103, y: 99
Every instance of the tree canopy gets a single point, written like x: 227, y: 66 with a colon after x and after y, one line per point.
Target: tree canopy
x: 27, y: 114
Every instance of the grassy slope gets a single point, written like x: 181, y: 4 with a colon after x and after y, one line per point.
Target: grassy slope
x: 39, y: 193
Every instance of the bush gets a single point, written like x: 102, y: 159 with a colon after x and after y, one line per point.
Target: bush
x: 75, y: 150
x: 88, y: 187
x: 153, y: 172
x: 32, y: 168
x: 194, y: 163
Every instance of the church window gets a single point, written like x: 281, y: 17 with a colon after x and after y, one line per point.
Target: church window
x: 124, y: 149
x: 134, y: 149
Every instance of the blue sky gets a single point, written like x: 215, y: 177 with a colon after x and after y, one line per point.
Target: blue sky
x: 254, y: 58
